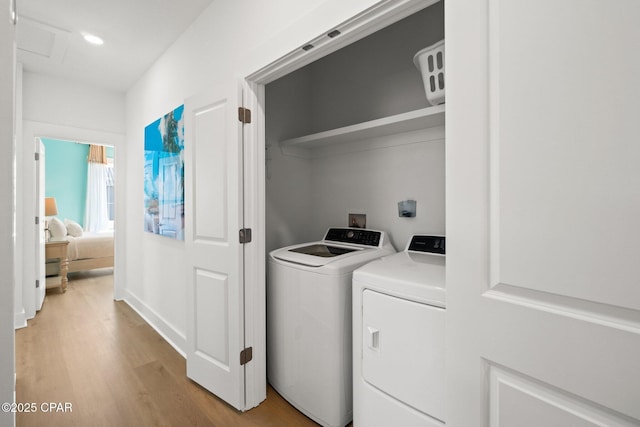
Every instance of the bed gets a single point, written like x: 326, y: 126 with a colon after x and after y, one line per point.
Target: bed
x: 86, y: 250
x: 90, y: 251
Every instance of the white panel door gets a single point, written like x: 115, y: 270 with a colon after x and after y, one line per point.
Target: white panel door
x: 40, y: 226
x: 543, y: 212
x: 213, y: 217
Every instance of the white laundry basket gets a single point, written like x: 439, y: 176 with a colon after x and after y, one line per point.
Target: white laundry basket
x: 430, y: 62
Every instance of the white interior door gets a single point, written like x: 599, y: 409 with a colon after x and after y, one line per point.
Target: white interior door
x: 213, y: 218
x: 40, y: 225
x: 543, y: 211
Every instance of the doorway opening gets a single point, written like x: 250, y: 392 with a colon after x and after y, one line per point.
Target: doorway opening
x: 78, y: 191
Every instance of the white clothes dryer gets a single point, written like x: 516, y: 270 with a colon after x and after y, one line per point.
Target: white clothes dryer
x: 399, y: 337
x: 309, y: 320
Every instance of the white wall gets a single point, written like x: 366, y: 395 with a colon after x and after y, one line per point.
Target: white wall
x: 7, y: 214
x: 58, y: 101
x: 288, y: 181
x: 374, y: 181
x: 63, y: 109
x: 229, y: 38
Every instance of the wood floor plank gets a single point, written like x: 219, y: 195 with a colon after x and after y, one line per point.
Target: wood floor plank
x: 175, y: 406
x: 100, y: 356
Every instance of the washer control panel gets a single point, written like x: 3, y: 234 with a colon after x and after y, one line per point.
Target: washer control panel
x: 356, y: 236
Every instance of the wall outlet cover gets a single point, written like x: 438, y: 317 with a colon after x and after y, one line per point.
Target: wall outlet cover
x: 357, y: 220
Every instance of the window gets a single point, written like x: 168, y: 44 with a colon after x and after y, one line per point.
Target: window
x: 109, y: 172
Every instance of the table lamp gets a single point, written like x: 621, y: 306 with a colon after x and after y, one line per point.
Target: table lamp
x: 50, y: 209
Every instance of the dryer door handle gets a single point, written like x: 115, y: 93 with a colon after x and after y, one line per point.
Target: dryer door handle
x: 373, y: 338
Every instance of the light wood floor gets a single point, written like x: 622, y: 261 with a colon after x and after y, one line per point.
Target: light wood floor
x: 115, y: 370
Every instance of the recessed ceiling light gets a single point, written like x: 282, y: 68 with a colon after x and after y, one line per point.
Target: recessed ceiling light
x: 90, y: 38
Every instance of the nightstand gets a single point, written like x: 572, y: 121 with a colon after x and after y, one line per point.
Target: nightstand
x: 57, y: 250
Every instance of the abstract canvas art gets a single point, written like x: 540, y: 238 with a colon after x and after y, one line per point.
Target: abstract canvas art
x: 164, y: 175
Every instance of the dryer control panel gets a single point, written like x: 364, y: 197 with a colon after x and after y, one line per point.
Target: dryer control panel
x: 428, y: 244
x: 356, y: 236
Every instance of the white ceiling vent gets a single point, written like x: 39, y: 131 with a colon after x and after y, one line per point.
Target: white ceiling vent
x: 38, y: 40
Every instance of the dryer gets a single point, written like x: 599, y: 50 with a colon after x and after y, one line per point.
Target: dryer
x: 309, y: 320
x: 399, y: 337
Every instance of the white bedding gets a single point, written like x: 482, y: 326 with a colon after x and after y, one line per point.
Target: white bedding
x: 90, y: 245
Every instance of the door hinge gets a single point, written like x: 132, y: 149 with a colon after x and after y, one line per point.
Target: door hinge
x: 37, y: 156
x: 14, y: 12
x: 246, y: 355
x: 245, y: 235
x: 37, y: 220
x: 37, y: 283
x: 244, y: 115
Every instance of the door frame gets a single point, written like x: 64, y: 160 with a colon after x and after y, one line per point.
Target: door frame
x: 40, y: 234
x: 353, y: 29
x: 27, y: 190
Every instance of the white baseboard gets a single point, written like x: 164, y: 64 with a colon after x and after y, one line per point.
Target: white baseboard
x: 20, y: 320
x: 175, y: 338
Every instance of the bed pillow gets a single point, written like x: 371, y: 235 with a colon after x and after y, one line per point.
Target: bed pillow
x: 73, y: 228
x: 57, y: 229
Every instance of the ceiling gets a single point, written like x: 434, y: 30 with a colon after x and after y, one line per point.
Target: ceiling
x: 135, y: 32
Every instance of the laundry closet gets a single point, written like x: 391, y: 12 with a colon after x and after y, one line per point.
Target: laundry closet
x: 351, y: 141
x: 353, y: 133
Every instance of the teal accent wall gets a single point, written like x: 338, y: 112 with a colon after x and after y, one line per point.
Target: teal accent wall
x: 66, y: 177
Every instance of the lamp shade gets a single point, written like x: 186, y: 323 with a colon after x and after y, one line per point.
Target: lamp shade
x: 50, y: 207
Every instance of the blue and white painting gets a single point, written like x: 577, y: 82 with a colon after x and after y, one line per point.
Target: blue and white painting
x: 164, y: 175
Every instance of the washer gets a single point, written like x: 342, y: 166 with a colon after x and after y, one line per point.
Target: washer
x: 309, y: 320
x: 399, y: 337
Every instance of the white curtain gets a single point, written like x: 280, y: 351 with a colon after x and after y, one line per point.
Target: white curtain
x: 96, y: 214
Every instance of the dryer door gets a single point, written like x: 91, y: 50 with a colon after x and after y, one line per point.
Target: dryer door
x: 403, y: 351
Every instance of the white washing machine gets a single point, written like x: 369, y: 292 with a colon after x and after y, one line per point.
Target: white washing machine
x: 309, y: 320
x: 399, y: 337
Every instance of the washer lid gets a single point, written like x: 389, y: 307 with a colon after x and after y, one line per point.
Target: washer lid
x: 319, y: 254
x: 323, y: 250
x: 341, y: 250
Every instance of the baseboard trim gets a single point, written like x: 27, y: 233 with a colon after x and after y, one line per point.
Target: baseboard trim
x: 175, y: 338
x: 20, y: 320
